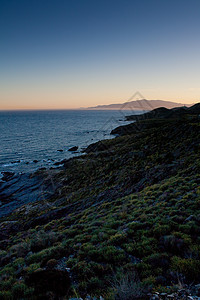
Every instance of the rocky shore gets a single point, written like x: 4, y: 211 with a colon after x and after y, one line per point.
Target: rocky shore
x: 120, y: 221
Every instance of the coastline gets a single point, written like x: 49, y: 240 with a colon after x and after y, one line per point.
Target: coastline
x: 19, y: 187
x: 128, y: 206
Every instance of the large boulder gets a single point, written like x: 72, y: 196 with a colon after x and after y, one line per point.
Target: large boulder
x: 75, y: 148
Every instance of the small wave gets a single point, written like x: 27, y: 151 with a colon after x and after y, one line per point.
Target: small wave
x: 13, y: 163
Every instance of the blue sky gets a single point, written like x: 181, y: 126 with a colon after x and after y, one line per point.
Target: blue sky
x: 67, y: 54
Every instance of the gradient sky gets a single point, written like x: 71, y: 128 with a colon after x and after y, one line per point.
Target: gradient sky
x: 72, y: 53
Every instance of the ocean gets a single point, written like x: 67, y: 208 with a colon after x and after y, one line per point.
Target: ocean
x: 31, y: 139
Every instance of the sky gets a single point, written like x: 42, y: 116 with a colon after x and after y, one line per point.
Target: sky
x: 65, y: 54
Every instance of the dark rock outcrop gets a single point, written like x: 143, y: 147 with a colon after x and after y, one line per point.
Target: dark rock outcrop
x: 20, y: 189
x: 75, y: 148
x: 7, y: 175
x: 98, y: 146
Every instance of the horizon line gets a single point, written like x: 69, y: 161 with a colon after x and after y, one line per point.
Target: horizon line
x: 90, y: 107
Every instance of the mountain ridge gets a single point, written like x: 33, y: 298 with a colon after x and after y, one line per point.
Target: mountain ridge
x: 142, y: 104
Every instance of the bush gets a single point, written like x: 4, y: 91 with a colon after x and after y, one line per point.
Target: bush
x: 112, y: 255
x: 20, y: 250
x: 18, y: 290
x: 6, y: 295
x: 43, y: 240
x: 118, y: 238
x: 190, y: 268
x: 158, y: 260
x: 128, y: 287
x: 173, y: 244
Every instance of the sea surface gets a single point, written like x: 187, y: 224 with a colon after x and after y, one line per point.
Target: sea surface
x: 28, y: 136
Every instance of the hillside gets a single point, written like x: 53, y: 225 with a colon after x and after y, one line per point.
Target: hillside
x: 124, y: 220
x: 164, y: 113
x: 139, y: 105
x: 158, y: 116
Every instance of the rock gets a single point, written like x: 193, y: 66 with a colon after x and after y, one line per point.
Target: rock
x: 98, y: 146
x: 7, y: 175
x: 9, y: 227
x: 15, y: 162
x: 197, y: 289
x: 182, y: 292
x: 58, y: 163
x: 35, y: 161
x: 75, y: 148
x: 21, y: 189
x: 42, y: 169
x: 60, y: 150
x: 161, y: 280
x: 190, y: 218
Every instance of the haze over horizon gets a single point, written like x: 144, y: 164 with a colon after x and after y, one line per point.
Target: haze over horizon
x: 72, y: 54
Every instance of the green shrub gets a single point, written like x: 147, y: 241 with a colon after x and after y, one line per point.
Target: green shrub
x: 160, y: 230
x: 188, y: 267
x: 112, y: 255
x: 158, y: 260
x: 6, y: 295
x: 42, y: 240
x: 118, y: 239
x: 20, y: 250
x: 19, y: 290
x: 33, y: 267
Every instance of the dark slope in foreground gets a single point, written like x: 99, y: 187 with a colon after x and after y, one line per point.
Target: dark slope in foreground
x: 165, y: 113
x: 158, y: 116
x: 125, y: 214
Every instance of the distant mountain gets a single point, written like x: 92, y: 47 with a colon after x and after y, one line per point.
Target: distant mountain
x: 139, y: 105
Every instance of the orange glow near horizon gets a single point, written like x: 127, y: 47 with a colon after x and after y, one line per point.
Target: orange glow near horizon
x: 73, y: 54
x: 51, y: 102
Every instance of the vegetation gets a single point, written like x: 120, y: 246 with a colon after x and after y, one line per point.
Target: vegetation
x: 125, y: 216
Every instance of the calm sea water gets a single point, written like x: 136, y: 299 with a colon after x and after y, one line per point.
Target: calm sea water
x: 26, y: 136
